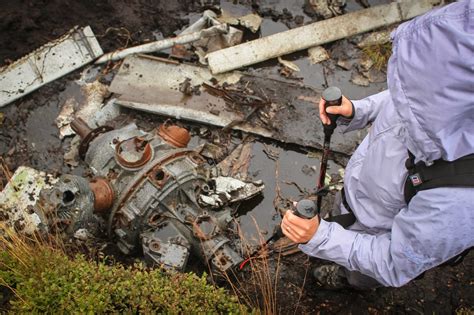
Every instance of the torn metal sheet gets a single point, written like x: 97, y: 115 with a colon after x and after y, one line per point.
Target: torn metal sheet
x: 164, y: 44
x: 48, y: 63
x: 251, y: 21
x: 289, y: 116
x: 90, y: 108
x: 20, y: 195
x: 205, y: 45
x: 229, y: 190
x: 315, y: 34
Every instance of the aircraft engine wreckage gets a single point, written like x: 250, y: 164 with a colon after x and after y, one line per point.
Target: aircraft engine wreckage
x: 156, y: 196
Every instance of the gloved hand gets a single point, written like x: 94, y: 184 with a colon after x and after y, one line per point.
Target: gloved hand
x: 346, y: 109
x: 297, y: 229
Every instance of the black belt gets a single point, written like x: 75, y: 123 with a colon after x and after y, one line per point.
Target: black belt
x: 344, y: 201
x: 346, y: 219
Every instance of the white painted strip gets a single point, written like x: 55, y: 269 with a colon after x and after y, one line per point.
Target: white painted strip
x: 315, y: 34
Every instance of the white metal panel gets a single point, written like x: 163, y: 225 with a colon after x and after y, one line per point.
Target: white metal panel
x: 48, y: 63
x: 315, y: 34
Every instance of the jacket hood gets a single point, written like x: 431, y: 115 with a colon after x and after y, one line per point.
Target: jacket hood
x: 431, y: 81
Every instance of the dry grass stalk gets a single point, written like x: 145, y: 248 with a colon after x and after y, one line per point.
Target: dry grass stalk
x: 379, y: 54
x: 260, y: 290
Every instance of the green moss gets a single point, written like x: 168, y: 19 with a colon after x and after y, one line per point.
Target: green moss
x: 50, y: 282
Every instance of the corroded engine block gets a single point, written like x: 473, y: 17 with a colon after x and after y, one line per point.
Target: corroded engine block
x: 149, y: 188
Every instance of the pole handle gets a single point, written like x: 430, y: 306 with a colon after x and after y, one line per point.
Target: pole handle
x: 333, y: 97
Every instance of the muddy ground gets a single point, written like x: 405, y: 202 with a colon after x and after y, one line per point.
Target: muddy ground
x: 29, y: 135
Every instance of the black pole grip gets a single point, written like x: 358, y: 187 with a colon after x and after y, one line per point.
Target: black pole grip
x: 306, y: 209
x: 333, y: 97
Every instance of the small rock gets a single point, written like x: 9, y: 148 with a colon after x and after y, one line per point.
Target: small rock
x: 82, y: 235
x: 288, y: 64
x: 366, y: 63
x: 251, y: 21
x: 345, y: 64
x: 358, y: 79
x: 375, y: 76
x: 299, y: 20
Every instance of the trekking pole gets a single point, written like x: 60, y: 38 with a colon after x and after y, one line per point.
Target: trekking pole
x: 305, y: 208
x: 333, y: 97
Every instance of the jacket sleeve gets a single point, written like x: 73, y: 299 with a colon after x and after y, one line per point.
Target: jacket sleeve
x: 430, y: 231
x: 366, y: 110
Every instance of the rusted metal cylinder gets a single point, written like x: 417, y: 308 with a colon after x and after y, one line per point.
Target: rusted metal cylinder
x: 103, y: 194
x: 174, y: 135
x: 80, y: 127
x: 133, y: 153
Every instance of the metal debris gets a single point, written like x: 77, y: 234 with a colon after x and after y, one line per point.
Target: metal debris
x: 205, y: 45
x: 164, y: 44
x: 229, y: 190
x: 251, y: 21
x: 19, y: 197
x: 317, y: 54
x: 91, y: 109
x: 57, y: 58
x: 288, y: 64
x: 252, y: 104
x: 315, y: 34
x: 151, y: 191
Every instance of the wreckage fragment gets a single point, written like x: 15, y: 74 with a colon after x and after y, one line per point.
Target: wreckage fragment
x: 251, y: 21
x: 228, y: 189
x: 205, y: 45
x: 147, y: 190
x: 90, y: 108
x: 20, y: 196
x: 57, y: 58
x: 261, y: 106
x: 157, y: 207
x: 164, y: 44
x: 317, y: 33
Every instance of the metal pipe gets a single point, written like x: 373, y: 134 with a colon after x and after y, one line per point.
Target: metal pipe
x: 201, y: 23
x: 80, y: 127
